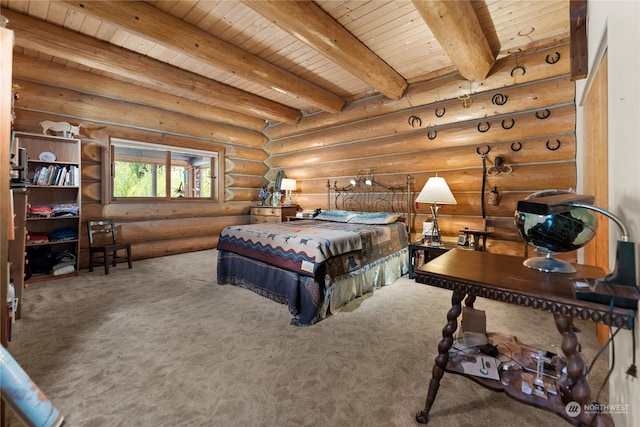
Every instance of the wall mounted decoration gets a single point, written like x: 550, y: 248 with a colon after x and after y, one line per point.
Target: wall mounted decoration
x: 413, y: 120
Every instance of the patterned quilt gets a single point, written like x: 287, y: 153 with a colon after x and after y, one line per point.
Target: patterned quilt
x: 299, y: 263
x: 303, y: 246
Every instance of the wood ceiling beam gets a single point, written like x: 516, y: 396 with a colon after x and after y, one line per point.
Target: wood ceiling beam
x: 151, y: 23
x: 456, y: 27
x: 40, y: 36
x: 579, y: 47
x: 307, y: 21
x: 46, y: 72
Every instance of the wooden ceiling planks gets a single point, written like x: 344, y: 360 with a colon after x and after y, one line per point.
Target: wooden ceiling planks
x: 393, y: 30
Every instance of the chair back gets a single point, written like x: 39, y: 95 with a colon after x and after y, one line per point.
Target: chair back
x: 102, y: 232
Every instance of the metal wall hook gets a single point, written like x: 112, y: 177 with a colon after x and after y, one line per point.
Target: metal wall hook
x: 543, y: 114
x: 413, y: 120
x: 554, y: 59
x: 465, y: 100
x: 482, y: 128
x: 516, y: 146
x: 439, y: 113
x: 554, y: 148
x: 518, y: 66
x: 506, y: 126
x: 483, y: 153
x: 499, y: 99
x: 432, y: 134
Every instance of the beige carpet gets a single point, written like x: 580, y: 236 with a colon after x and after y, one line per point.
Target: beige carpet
x: 164, y: 345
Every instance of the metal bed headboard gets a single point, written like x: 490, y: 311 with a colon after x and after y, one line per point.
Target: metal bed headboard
x: 365, y: 194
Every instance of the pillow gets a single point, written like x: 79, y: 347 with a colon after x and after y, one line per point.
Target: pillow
x: 375, y: 218
x: 335, y: 215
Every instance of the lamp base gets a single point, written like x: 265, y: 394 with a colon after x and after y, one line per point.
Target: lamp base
x: 549, y: 265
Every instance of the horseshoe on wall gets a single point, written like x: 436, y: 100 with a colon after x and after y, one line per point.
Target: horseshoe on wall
x: 553, y: 148
x: 499, y: 99
x: 432, y: 134
x: 543, y: 114
x: 516, y: 146
x: 413, y: 120
x: 483, y: 129
x: 483, y: 153
x: 551, y: 61
x: 507, y: 127
x: 518, y: 66
x: 440, y: 114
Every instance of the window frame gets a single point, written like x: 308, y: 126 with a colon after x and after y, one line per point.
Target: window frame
x: 216, y: 156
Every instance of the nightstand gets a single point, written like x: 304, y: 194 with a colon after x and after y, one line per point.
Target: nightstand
x: 261, y: 214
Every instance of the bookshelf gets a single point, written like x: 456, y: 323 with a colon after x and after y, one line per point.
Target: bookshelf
x: 53, y: 216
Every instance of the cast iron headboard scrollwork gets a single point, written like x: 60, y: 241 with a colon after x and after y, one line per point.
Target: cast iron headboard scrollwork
x: 365, y: 194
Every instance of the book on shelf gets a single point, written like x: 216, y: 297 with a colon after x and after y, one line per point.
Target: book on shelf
x: 56, y: 176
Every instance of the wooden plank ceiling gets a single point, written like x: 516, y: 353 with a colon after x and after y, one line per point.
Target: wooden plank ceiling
x: 278, y: 60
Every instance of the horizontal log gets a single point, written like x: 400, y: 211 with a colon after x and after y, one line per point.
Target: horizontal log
x: 245, y: 181
x: 91, y: 192
x: 246, y: 167
x: 521, y: 125
x: 242, y: 194
x: 38, y: 35
x: 50, y: 73
x: 166, y: 230
x: 436, y: 91
x: 421, y: 156
x: 125, y: 212
x: 28, y: 121
x: 91, y: 152
x: 102, y: 110
x: 182, y: 36
x: 158, y: 249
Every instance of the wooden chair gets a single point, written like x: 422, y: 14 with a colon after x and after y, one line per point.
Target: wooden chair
x: 103, y: 245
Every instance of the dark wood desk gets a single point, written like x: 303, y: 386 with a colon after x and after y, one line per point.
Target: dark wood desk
x: 430, y: 252
x: 503, y: 278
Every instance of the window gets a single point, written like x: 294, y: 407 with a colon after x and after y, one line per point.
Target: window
x: 144, y: 171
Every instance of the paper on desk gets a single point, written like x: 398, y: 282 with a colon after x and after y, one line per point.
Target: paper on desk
x: 468, y: 360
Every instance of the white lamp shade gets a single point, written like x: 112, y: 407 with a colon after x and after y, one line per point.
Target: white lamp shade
x: 436, y: 191
x: 288, y: 184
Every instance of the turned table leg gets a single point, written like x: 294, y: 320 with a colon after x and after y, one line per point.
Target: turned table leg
x: 574, y: 387
x: 443, y: 354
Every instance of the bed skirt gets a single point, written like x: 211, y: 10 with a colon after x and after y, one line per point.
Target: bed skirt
x: 309, y: 299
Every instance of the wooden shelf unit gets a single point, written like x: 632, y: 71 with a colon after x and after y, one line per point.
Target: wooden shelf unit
x: 44, y: 253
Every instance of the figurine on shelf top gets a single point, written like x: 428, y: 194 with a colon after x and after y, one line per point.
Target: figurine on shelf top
x: 264, y: 195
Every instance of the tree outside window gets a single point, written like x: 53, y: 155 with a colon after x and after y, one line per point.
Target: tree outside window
x: 140, y: 171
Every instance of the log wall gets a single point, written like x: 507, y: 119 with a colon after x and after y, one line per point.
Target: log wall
x: 444, y: 127
x: 527, y: 118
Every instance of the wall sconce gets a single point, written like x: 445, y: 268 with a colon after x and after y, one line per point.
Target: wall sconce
x: 288, y: 185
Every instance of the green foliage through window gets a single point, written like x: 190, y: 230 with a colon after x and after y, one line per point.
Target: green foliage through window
x: 140, y: 171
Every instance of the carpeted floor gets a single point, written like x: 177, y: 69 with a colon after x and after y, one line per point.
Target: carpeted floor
x: 164, y: 345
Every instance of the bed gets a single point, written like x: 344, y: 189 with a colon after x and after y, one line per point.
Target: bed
x: 316, y: 266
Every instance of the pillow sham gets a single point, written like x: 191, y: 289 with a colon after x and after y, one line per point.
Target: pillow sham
x: 335, y: 215
x: 375, y: 218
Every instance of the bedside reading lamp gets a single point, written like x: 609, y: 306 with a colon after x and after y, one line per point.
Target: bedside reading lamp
x: 625, y: 268
x: 288, y: 185
x: 436, y: 191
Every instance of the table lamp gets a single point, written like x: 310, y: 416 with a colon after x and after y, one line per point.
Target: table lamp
x: 437, y: 192
x: 288, y: 185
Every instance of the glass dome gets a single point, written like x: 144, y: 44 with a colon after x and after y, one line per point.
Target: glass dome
x: 558, y: 232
